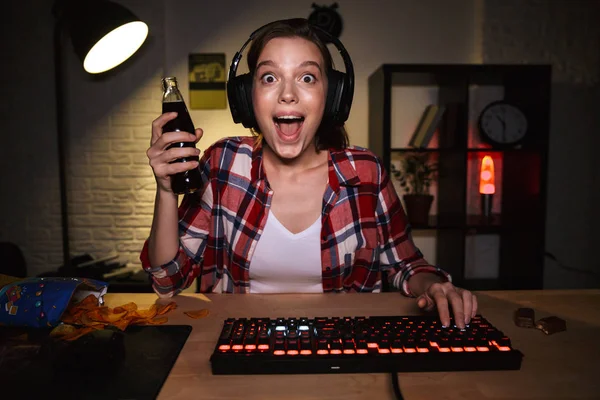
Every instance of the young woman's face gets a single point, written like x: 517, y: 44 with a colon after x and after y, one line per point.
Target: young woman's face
x: 289, y: 90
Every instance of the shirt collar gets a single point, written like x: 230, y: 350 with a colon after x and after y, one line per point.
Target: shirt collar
x: 257, y: 171
x: 341, y: 169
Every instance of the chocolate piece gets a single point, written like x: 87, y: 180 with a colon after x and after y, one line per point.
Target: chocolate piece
x: 525, y: 317
x: 550, y: 325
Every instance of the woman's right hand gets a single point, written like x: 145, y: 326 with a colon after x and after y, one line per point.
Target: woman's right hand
x: 160, y: 157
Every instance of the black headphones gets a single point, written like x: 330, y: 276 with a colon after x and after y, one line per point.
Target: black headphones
x: 339, y: 93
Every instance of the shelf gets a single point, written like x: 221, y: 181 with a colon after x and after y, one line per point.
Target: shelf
x: 397, y: 95
x: 469, y: 223
x: 450, y: 150
x: 413, y: 150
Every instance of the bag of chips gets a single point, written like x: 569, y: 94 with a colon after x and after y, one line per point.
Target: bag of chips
x: 40, y: 302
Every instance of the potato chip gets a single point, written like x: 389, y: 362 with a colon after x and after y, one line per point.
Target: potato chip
x: 62, y: 330
x: 157, y: 321
x: 110, y: 316
x: 126, y: 307
x: 87, y: 315
x: 146, y: 314
x: 165, y: 308
x: 197, y: 314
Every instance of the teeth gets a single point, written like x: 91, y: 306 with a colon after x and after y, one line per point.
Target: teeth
x: 289, y: 117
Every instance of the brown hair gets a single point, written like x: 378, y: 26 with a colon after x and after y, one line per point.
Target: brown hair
x: 327, y: 136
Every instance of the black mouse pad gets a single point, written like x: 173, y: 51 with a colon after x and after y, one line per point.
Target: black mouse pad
x: 107, y: 364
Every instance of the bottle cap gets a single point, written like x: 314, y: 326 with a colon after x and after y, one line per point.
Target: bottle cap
x: 169, y: 81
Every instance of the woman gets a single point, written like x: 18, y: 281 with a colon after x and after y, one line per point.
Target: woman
x: 291, y: 208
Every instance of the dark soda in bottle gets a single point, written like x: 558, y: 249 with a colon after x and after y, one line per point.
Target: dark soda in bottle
x: 191, y: 180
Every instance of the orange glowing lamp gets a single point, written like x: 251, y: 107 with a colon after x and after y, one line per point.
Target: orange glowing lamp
x: 487, y: 183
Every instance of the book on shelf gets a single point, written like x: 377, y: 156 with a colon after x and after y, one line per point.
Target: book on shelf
x: 427, y: 126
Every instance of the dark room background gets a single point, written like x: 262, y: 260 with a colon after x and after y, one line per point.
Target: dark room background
x: 110, y: 185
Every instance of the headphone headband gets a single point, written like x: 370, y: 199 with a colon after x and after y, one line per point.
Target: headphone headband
x: 339, y: 96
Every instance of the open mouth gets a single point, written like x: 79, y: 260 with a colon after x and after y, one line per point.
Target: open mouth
x: 288, y: 125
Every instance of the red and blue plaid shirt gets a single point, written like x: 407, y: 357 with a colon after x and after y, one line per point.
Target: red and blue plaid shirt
x: 364, y: 229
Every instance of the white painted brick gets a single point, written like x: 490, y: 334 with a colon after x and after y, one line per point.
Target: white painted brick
x: 130, y: 246
x: 136, y: 147
x: 98, y: 249
x: 97, y: 143
x: 112, y: 184
x: 135, y: 222
x: 141, y: 159
x: 123, y: 197
x: 81, y: 171
x: 117, y: 132
x: 101, y: 197
x: 113, y: 234
x: 132, y: 120
x: 146, y: 106
x: 131, y: 171
x: 112, y: 209
x: 110, y: 159
x: 144, y: 132
x: 134, y: 260
x: 143, y: 93
x: 145, y: 183
x: 81, y: 233
x: 81, y: 197
x: 145, y: 196
x: 142, y: 233
x: 96, y: 221
x: 144, y: 209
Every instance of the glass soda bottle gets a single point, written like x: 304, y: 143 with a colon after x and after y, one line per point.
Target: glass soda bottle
x: 191, y: 180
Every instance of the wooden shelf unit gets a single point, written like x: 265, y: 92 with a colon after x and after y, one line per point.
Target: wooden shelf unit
x: 521, y: 222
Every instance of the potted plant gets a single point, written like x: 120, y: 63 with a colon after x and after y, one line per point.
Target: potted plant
x: 417, y: 173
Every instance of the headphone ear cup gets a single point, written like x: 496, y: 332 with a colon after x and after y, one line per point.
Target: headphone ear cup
x: 336, y: 109
x: 239, y: 94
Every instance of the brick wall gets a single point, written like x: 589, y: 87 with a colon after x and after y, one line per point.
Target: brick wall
x: 112, y: 189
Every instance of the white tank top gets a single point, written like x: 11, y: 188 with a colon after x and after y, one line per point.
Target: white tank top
x: 284, y: 262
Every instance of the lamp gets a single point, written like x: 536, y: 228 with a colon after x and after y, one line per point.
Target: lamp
x: 487, y: 185
x: 104, y: 34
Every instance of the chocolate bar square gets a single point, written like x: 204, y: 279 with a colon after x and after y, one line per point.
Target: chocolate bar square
x: 525, y: 317
x: 550, y: 325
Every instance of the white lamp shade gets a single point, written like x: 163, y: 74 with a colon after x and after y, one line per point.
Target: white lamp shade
x: 115, y: 47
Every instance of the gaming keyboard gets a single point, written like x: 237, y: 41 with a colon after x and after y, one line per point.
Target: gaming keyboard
x: 359, y: 345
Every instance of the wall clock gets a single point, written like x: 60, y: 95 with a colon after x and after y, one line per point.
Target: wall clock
x: 502, y: 123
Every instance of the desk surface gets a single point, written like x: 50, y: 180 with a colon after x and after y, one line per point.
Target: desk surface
x: 565, y: 365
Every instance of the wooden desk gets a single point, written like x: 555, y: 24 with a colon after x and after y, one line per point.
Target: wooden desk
x: 565, y: 365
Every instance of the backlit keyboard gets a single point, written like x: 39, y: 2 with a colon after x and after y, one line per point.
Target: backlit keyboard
x: 359, y: 344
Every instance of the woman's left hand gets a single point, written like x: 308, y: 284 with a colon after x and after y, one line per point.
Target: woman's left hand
x: 445, y: 295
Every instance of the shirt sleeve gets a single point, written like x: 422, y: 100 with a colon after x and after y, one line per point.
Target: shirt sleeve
x: 399, y: 256
x: 194, y: 218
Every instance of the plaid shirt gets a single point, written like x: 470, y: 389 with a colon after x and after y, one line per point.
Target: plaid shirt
x: 364, y: 229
